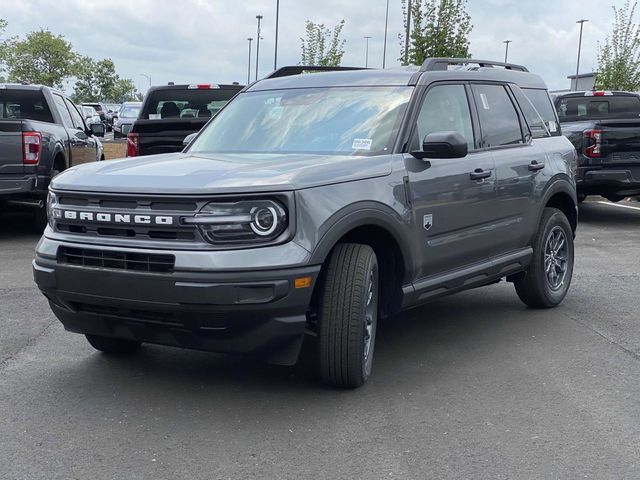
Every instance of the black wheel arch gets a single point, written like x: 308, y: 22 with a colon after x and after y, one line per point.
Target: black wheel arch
x: 386, y: 232
x: 561, y: 194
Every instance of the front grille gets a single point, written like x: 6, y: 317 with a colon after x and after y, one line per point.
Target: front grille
x: 141, y: 262
x: 120, y: 204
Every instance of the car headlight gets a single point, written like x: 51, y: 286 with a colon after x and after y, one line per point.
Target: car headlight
x: 51, y: 201
x: 249, y: 221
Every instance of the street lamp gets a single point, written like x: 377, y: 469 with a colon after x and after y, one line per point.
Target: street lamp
x: 581, y: 22
x: 366, y: 55
x: 386, y: 26
x: 275, y: 55
x: 147, y: 77
x: 506, y: 49
x: 249, y: 66
x: 406, y: 40
x: 259, y: 18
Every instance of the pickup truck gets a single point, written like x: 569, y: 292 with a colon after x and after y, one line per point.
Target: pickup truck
x: 42, y: 133
x: 171, y: 112
x: 604, y: 127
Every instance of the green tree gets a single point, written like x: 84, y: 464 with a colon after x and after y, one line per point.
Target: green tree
x: 619, y: 57
x: 106, y: 78
x: 439, y: 28
x: 86, y: 87
x: 41, y: 58
x: 3, y: 26
x: 322, y: 46
x: 124, y: 90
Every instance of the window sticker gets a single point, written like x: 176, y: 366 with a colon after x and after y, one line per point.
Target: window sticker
x: 362, y: 144
x: 485, y: 102
x: 552, y: 127
x: 155, y: 116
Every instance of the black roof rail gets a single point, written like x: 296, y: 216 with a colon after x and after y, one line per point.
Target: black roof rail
x: 440, y: 64
x: 299, y: 69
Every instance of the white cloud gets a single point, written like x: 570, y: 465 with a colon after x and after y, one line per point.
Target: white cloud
x: 206, y: 40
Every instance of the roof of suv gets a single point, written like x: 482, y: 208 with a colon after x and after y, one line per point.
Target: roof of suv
x: 432, y: 70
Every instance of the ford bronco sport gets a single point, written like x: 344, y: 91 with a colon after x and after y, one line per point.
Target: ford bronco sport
x: 313, y: 204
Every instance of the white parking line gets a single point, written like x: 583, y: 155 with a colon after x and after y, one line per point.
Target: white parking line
x: 619, y: 206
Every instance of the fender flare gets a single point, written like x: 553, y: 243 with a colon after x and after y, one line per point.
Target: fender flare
x: 559, y: 184
x: 59, y: 151
x: 359, y: 215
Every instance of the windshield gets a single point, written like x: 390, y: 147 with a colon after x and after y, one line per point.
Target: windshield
x: 336, y: 120
x: 129, y: 112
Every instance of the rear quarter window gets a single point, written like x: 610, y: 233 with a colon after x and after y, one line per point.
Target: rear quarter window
x: 24, y: 105
x: 543, y: 105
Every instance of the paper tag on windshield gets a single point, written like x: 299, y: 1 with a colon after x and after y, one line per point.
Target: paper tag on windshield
x: 155, y: 116
x: 362, y: 144
x: 552, y: 127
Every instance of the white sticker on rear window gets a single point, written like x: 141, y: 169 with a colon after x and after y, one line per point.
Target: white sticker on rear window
x: 362, y: 144
x: 155, y: 116
x: 552, y: 127
x: 485, y: 102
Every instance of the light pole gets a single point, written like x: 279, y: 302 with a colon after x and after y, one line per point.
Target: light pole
x: 386, y: 26
x: 581, y: 22
x: 249, y: 65
x: 506, y: 49
x: 259, y: 18
x: 275, y: 56
x: 406, y: 40
x: 147, y: 77
x: 366, y: 55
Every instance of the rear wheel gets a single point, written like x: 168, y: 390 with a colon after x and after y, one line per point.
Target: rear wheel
x: 348, y: 315
x: 546, y: 282
x: 115, y: 346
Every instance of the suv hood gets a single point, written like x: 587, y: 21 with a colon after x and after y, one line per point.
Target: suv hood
x: 193, y: 174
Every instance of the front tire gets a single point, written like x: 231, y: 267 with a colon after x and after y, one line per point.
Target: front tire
x: 547, y: 281
x: 348, y: 316
x: 113, y: 346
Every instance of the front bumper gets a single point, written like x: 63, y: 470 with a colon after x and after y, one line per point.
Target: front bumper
x: 249, y: 312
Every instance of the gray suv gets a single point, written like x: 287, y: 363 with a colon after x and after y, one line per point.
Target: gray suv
x: 311, y: 206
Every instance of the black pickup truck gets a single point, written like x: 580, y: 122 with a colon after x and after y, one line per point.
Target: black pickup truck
x: 604, y: 127
x: 41, y: 134
x: 171, y: 112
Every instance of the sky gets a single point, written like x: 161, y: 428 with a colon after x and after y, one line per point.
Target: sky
x: 202, y: 41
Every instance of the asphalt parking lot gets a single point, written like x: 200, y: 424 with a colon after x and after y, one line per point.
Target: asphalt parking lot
x: 473, y: 386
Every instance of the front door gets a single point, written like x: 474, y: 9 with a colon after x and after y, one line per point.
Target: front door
x: 83, y: 147
x: 453, y: 200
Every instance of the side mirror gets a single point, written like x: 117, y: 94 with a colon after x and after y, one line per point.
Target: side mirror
x: 98, y: 129
x: 443, y: 145
x: 188, y: 139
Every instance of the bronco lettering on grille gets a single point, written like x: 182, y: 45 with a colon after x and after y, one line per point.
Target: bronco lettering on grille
x: 119, y: 218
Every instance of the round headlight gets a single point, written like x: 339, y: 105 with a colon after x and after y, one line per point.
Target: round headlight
x: 264, y: 220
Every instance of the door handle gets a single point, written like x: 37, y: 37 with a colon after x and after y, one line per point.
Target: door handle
x: 535, y: 166
x: 479, y: 174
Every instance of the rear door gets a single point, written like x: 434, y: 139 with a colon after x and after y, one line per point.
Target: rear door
x: 83, y: 146
x: 517, y: 159
x: 454, y: 200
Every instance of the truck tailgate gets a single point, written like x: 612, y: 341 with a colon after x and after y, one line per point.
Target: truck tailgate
x: 620, y: 141
x: 10, y: 147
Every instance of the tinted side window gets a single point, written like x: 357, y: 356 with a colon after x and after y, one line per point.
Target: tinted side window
x: 537, y: 126
x: 542, y: 102
x: 445, y: 108
x: 64, y: 113
x: 498, y: 117
x: 75, y: 116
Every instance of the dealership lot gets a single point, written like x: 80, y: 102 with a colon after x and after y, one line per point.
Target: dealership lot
x: 471, y: 386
